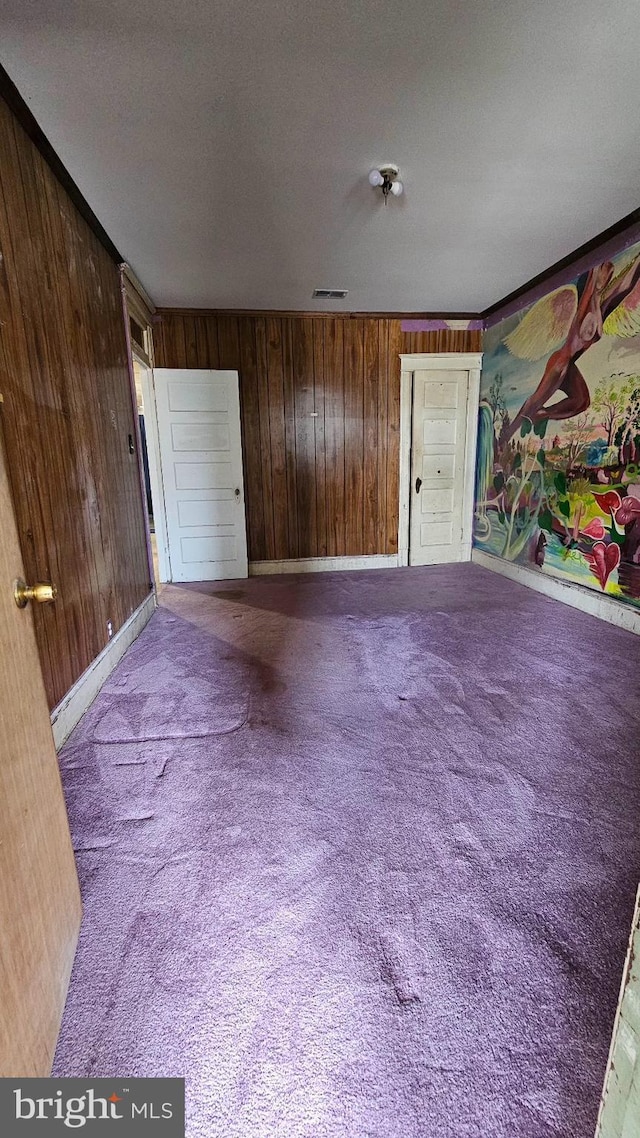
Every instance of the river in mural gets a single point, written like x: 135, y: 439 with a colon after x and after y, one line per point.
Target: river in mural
x: 558, y: 475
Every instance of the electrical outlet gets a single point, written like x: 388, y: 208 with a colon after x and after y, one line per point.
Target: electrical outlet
x: 109, y: 629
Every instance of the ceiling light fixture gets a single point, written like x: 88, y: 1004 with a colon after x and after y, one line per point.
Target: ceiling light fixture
x: 386, y: 177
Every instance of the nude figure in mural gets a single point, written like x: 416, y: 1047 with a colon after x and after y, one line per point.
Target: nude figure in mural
x: 585, y: 314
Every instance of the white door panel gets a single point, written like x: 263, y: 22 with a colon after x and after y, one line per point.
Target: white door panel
x: 201, y: 465
x: 438, y: 466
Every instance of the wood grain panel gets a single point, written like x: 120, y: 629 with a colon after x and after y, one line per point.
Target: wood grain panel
x: 264, y: 458
x: 39, y: 895
x: 354, y: 434
x: 67, y: 414
x: 277, y: 437
x: 320, y: 417
x: 290, y: 437
x: 373, y: 417
x: 320, y: 443
x: 304, y: 409
x: 334, y: 437
x: 254, y: 461
x: 397, y: 345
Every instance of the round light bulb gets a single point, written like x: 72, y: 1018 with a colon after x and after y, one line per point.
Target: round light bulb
x: 375, y: 178
x: 396, y: 189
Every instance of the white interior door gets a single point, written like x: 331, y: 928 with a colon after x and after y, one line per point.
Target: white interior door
x: 438, y: 462
x: 198, y: 416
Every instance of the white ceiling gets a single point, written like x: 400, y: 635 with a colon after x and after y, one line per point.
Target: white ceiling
x: 225, y: 147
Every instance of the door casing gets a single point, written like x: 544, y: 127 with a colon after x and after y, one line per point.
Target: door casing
x: 437, y: 361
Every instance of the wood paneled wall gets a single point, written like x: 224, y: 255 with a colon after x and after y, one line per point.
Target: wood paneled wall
x: 67, y: 414
x: 320, y: 420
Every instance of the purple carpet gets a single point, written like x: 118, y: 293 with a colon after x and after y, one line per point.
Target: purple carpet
x: 358, y: 854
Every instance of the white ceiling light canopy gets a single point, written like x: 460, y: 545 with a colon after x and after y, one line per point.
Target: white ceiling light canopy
x: 386, y: 177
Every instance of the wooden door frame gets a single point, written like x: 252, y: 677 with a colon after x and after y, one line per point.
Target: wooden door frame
x: 138, y: 306
x: 155, y: 469
x: 470, y: 362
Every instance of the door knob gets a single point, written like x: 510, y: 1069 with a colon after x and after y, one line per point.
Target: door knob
x: 237, y: 492
x: 418, y: 485
x: 40, y: 593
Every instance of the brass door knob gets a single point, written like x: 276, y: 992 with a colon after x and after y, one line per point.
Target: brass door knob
x: 42, y: 594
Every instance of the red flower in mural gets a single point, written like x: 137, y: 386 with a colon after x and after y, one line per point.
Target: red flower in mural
x: 628, y: 511
x: 602, y: 560
x: 608, y: 502
x: 595, y: 529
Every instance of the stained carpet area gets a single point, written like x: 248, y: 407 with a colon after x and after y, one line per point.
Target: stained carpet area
x: 358, y: 854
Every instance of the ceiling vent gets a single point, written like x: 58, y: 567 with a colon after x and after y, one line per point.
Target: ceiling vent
x: 329, y: 293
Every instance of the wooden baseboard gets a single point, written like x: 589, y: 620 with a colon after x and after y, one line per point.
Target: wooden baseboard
x: 596, y: 604
x: 323, y: 564
x: 72, y: 707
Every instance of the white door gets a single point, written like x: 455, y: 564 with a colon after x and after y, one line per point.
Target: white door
x: 438, y: 460
x: 201, y: 469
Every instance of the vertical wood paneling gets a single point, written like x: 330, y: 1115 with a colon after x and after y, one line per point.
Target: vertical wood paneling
x: 228, y: 343
x: 265, y: 457
x: 321, y: 421
x: 354, y: 434
x: 22, y: 426
x: 254, y: 460
x: 383, y: 433
x: 334, y: 436
x: 303, y: 362
x: 396, y: 347
x: 290, y: 435
x: 210, y: 345
x: 67, y: 414
x: 373, y: 417
x: 277, y: 437
x: 320, y: 445
x: 191, y: 343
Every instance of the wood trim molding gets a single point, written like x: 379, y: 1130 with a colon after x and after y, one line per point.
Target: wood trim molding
x: 12, y: 97
x: 442, y: 361
x: 126, y: 312
x: 140, y: 304
x: 323, y: 564
x: 323, y: 315
x: 70, y: 710
x: 587, y: 600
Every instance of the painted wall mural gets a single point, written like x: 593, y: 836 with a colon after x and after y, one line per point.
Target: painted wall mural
x: 558, y: 477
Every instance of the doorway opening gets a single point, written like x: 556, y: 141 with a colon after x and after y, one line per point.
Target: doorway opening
x: 139, y: 314
x: 142, y: 378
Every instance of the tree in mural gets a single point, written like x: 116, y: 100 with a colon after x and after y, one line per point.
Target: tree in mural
x: 495, y: 399
x: 577, y: 437
x: 571, y: 320
x: 626, y: 437
x: 610, y: 400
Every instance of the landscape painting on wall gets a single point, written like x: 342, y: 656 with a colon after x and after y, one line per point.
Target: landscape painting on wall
x: 558, y: 477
